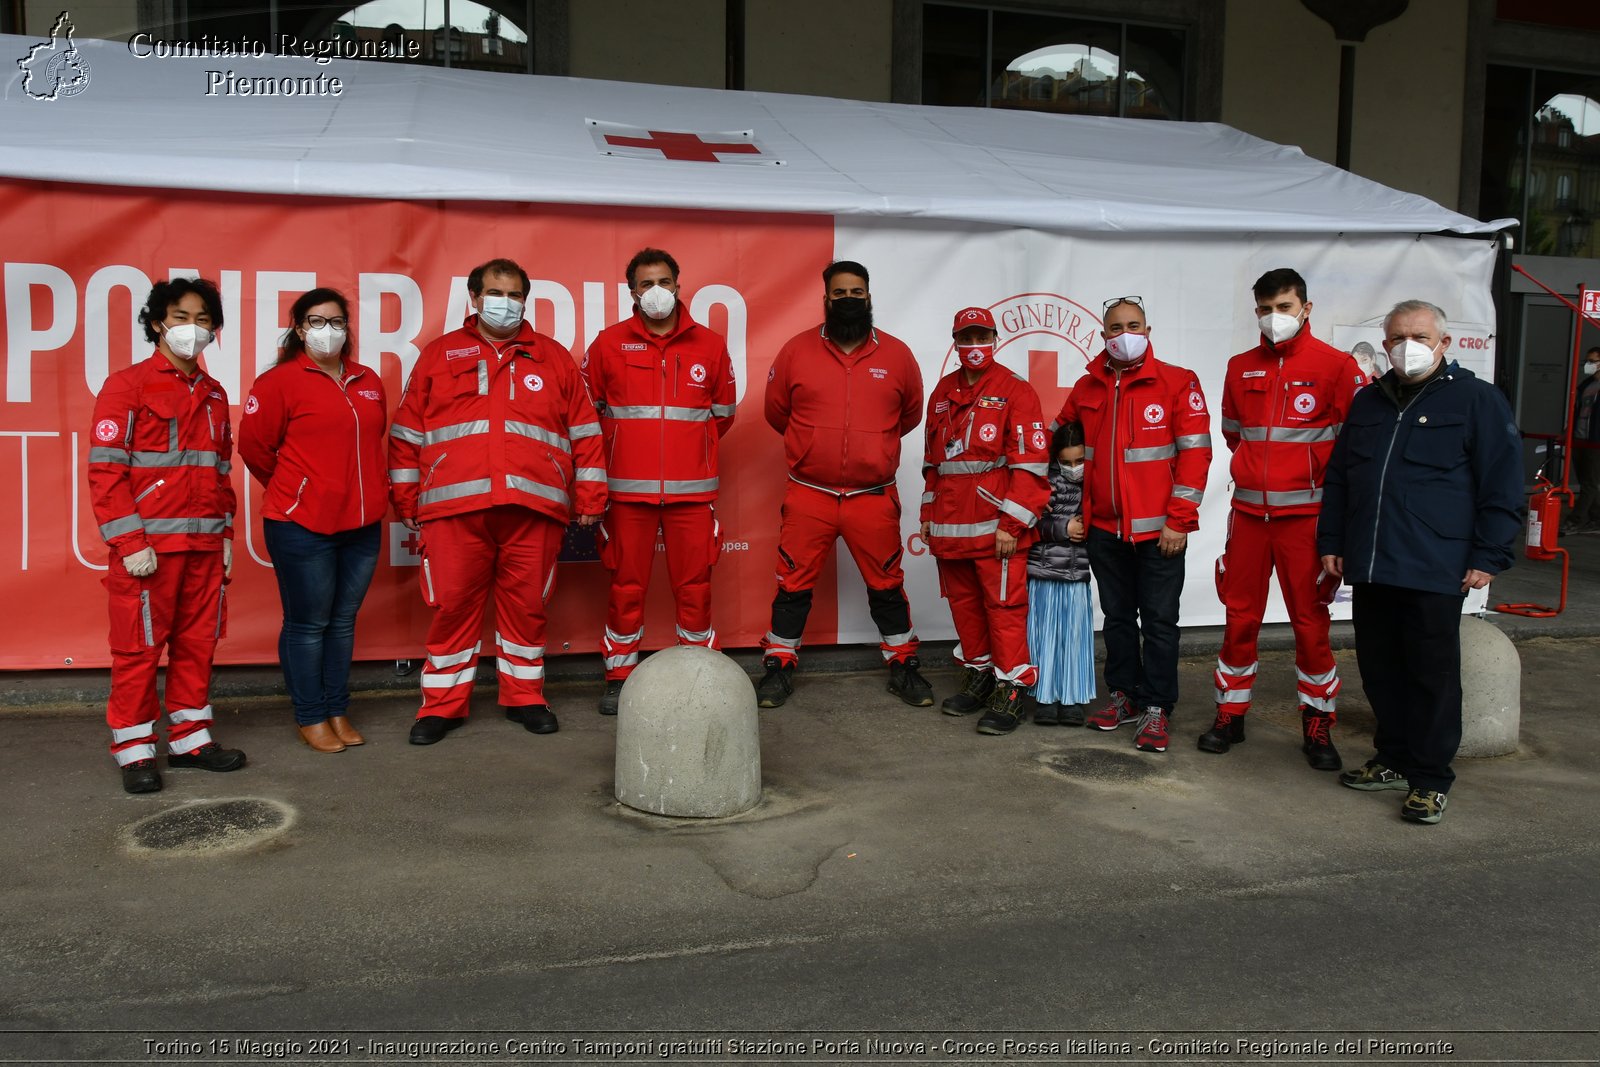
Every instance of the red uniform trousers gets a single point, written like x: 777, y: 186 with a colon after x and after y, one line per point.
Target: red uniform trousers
x: 180, y: 608
x: 514, y: 549
x: 693, y: 541
x: 989, y: 603
x: 1256, y: 547
x: 869, y: 522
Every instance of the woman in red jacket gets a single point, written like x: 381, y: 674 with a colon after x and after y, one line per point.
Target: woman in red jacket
x: 313, y: 434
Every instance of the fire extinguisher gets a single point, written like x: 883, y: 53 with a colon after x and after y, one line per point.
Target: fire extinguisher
x: 1544, y: 522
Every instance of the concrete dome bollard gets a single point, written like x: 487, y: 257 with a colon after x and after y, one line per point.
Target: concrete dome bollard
x: 688, y: 736
x: 1491, y: 690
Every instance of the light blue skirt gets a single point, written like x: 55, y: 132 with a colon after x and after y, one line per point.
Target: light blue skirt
x: 1061, y: 639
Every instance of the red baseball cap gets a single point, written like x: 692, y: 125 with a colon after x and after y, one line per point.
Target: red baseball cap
x: 972, y: 317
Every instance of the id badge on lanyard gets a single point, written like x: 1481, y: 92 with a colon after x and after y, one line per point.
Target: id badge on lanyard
x: 957, y: 445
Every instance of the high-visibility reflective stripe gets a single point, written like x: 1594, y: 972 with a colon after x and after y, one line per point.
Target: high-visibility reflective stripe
x: 183, y: 457
x: 1192, y: 440
x: 1088, y: 451
x: 1324, y: 679
x: 1247, y: 671
x: 613, y: 662
x: 119, y: 456
x: 1279, y: 499
x: 483, y: 377
x: 1252, y: 433
x: 673, y: 414
x: 589, y: 474
x: 405, y: 433
x: 970, y: 466
x: 184, y: 746
x: 781, y: 642
x: 633, y: 411
x: 898, y: 639
x: 1234, y: 696
x: 440, y: 434
x: 927, y: 498
x: 224, y: 467
x: 190, y: 715
x: 1145, y: 455
x: 1311, y: 700
x: 525, y: 651
x: 1041, y: 469
x: 960, y: 656
x: 1018, y: 512
x: 722, y: 411
x: 1298, y: 435
x: 454, y: 659
x: 1230, y: 425
x: 624, y: 639
x: 963, y: 529
x: 135, y: 754
x: 455, y: 491
x: 403, y: 477
x: 692, y: 485
x: 528, y: 485
x: 539, y: 433
x: 1150, y: 525
x: 587, y: 429
x: 120, y: 734
x: 1014, y: 673
x: 118, y: 527
x: 518, y: 670
x: 227, y: 519
x: 183, y: 526
x: 1189, y: 493
x: 650, y: 485
x: 695, y: 637
x: 448, y: 681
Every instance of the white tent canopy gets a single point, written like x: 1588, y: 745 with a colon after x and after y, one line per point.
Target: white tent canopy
x: 399, y: 131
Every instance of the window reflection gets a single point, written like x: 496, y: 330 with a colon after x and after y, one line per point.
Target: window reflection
x: 1541, y: 158
x: 476, y: 37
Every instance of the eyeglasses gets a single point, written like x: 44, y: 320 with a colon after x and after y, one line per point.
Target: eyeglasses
x: 1136, y: 301
x: 317, y: 322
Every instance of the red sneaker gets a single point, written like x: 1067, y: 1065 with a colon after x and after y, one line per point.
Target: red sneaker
x: 1152, y: 735
x: 1114, y: 714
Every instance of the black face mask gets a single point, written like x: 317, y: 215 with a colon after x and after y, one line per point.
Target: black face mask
x: 849, y: 318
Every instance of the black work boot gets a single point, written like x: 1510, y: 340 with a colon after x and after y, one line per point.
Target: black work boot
x: 907, y: 683
x: 1007, y: 708
x: 1226, y: 732
x: 1317, y: 729
x: 776, y: 685
x: 611, y: 699
x: 974, y: 694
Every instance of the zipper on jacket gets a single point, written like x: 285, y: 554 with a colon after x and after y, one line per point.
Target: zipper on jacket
x: 1377, y: 519
x: 1275, y: 409
x: 361, y: 492
x: 297, y: 494
x: 1116, y: 447
x: 147, y: 490
x: 429, y: 479
x: 662, y: 484
x: 222, y: 609
x: 144, y: 618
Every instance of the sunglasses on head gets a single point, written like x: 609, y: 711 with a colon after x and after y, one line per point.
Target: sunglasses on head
x: 1136, y: 301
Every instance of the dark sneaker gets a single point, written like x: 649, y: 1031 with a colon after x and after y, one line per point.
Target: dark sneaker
x: 1373, y: 776
x: 141, y: 776
x: 975, y: 693
x: 1073, y: 714
x: 1005, y: 711
x: 1046, y: 714
x: 1152, y: 735
x: 1116, y: 712
x: 1424, y: 806
x: 208, y: 757
x: 907, y: 683
x: 1226, y: 732
x: 776, y: 685
x: 612, y: 697
x: 1317, y: 727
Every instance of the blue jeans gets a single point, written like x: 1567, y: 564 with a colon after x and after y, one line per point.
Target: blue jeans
x: 322, y: 579
x: 1139, y: 591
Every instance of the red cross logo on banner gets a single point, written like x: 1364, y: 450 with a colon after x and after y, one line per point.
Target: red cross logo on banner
x: 690, y: 146
x: 682, y: 145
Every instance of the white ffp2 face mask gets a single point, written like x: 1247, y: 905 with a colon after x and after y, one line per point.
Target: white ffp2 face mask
x: 499, y: 312
x: 1127, y: 347
x: 657, y: 302
x: 1412, y: 358
x: 1278, y: 327
x: 325, y: 340
x: 1590, y: 368
x: 188, y: 340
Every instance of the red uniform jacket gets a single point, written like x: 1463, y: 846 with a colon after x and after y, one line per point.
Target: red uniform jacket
x: 159, y: 462
x: 986, y: 465
x: 1282, y: 408
x: 1148, y: 450
x: 664, y: 403
x: 317, y: 445
x: 842, y: 415
x: 479, y: 427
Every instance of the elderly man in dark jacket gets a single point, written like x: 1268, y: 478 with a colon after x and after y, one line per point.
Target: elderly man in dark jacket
x: 1423, y: 502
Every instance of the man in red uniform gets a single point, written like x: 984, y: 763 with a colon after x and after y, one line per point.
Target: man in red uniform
x: 495, y: 443
x: 158, y: 480
x: 1283, y: 404
x: 664, y: 387
x: 1148, y: 448
x: 843, y: 395
x: 985, y: 471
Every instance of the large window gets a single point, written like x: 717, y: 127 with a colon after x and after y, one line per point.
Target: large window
x: 984, y: 57
x: 1541, y: 146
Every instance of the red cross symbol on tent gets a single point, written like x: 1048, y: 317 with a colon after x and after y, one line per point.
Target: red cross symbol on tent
x: 686, y: 146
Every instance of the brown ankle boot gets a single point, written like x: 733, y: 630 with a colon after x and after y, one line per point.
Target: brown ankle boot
x: 345, y: 732
x: 321, y: 738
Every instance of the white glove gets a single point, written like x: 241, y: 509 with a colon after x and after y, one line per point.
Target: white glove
x: 227, y: 559
x: 142, y: 564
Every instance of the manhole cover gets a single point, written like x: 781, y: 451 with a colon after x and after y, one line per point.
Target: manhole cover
x: 210, y: 826
x: 1099, y: 765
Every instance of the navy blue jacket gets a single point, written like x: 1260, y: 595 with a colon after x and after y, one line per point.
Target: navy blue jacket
x: 1416, y: 498
x: 1053, y: 557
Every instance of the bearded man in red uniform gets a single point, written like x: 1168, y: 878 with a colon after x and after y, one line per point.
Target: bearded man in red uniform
x: 664, y: 388
x: 1283, y: 404
x: 843, y: 394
